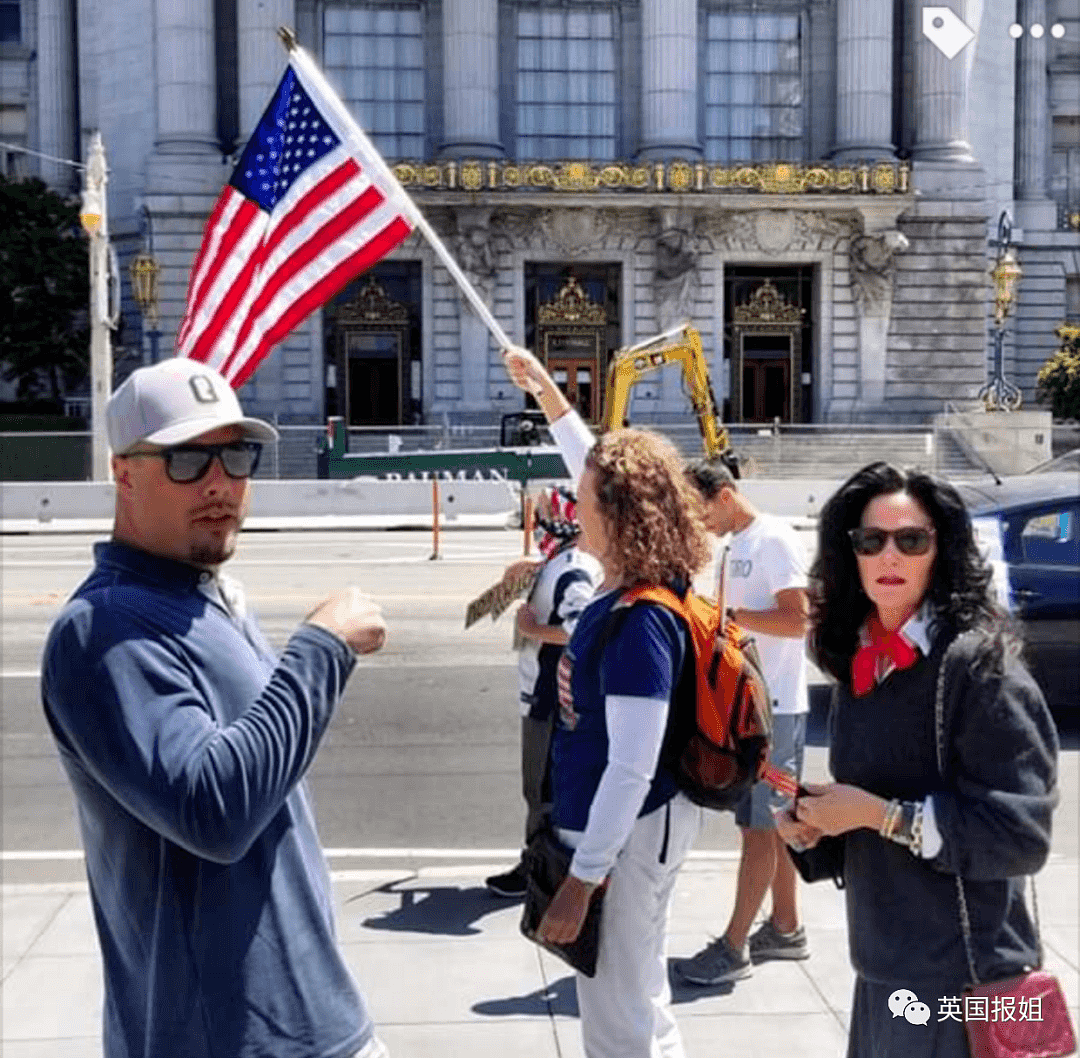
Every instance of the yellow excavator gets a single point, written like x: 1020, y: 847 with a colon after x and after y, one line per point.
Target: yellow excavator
x: 680, y: 345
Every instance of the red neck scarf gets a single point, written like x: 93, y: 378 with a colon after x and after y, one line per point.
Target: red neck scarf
x: 880, y: 654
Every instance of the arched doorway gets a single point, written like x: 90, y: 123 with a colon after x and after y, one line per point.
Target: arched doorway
x: 373, y: 347
x: 768, y: 373
x: 572, y: 319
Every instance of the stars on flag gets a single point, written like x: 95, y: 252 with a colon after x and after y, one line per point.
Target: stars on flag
x: 291, y: 137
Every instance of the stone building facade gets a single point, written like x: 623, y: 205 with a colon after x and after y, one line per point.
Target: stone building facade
x: 812, y: 183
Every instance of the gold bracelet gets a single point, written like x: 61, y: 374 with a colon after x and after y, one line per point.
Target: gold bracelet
x: 903, y: 824
x: 892, y: 817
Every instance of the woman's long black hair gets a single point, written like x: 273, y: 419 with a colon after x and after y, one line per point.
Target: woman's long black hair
x: 959, y: 583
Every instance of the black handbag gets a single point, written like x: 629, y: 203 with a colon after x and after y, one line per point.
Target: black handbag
x: 824, y: 860
x: 547, y: 863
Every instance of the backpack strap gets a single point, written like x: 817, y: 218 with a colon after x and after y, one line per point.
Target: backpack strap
x: 656, y: 594
x: 653, y: 593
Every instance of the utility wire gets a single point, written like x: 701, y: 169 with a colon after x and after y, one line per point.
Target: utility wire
x: 38, y: 154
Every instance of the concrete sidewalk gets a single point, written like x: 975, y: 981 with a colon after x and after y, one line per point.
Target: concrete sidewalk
x: 447, y: 975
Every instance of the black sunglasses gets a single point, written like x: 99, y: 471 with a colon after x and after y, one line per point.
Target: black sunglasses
x: 913, y: 540
x: 187, y: 463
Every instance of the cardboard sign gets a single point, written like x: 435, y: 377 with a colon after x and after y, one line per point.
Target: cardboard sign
x: 499, y: 596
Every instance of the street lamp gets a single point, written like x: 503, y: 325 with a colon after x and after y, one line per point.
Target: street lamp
x: 93, y: 215
x: 144, y: 271
x: 999, y: 394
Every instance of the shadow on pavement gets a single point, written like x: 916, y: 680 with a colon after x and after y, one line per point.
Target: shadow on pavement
x: 443, y: 909
x: 681, y: 992
x: 559, y: 999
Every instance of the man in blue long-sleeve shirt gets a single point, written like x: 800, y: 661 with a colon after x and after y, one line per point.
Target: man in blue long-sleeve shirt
x: 186, y: 740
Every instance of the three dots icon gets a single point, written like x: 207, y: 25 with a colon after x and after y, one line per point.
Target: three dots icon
x: 1037, y: 30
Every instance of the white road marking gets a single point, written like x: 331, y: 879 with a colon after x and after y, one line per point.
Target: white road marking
x: 447, y: 661
x: 484, y: 855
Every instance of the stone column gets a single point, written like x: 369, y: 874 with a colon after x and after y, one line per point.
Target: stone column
x: 55, y: 91
x: 262, y: 57
x: 864, y: 79
x: 1032, y: 121
x: 942, y: 87
x: 186, y: 156
x: 471, y: 79
x: 669, y: 104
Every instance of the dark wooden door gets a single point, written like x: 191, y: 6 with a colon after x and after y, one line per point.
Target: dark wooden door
x: 578, y: 381
x: 374, y: 379
x: 766, y: 390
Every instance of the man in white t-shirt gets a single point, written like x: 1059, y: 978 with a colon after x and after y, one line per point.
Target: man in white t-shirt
x: 765, y: 593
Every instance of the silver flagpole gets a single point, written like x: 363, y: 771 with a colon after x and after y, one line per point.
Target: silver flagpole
x: 311, y: 72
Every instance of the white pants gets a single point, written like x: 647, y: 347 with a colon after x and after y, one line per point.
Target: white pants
x: 626, y: 1008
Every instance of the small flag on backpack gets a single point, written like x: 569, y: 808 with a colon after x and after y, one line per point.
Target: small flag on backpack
x: 783, y: 782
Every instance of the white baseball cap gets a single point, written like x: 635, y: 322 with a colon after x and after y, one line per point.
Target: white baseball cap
x: 174, y: 401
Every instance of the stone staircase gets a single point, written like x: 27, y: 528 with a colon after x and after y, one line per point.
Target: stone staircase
x: 833, y: 452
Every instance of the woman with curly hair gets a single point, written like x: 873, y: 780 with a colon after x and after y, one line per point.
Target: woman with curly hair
x: 900, y: 597
x: 616, y: 802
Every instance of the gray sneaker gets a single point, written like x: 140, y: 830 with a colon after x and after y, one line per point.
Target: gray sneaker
x: 767, y: 942
x: 716, y: 963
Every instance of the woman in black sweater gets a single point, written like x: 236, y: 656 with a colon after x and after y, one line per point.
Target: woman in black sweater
x: 900, y: 591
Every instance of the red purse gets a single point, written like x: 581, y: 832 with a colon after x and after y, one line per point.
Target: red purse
x: 1017, y: 1017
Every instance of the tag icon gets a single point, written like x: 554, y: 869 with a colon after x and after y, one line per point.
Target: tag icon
x: 949, y: 33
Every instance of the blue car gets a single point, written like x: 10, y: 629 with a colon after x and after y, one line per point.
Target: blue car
x: 1030, y: 528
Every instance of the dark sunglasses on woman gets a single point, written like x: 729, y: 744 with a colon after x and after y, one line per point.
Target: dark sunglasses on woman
x: 185, y: 464
x: 913, y: 540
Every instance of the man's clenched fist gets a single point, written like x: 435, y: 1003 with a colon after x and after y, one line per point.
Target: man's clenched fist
x: 353, y: 616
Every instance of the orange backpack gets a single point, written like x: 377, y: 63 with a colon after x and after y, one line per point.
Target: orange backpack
x: 720, y: 726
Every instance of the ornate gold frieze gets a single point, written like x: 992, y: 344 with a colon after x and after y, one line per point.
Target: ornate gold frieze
x: 768, y: 306
x: 372, y: 305
x: 572, y: 305
x: 774, y: 178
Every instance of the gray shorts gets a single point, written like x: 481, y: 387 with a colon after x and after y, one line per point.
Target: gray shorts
x: 755, y: 810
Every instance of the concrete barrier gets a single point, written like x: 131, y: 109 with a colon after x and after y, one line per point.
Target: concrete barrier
x: 788, y: 498
x: 44, y: 501
x: 371, y: 496
x: 361, y: 501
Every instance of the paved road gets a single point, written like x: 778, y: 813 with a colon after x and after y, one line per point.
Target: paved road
x: 423, y: 752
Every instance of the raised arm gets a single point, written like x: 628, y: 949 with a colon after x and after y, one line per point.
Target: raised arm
x: 530, y: 375
x: 130, y: 710
x: 569, y: 431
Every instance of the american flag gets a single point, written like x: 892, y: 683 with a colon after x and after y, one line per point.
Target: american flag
x: 310, y: 205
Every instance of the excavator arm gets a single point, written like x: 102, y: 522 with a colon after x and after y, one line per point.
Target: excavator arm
x: 681, y: 345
